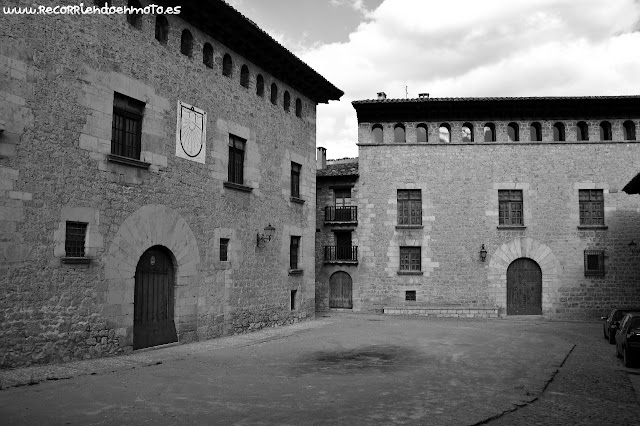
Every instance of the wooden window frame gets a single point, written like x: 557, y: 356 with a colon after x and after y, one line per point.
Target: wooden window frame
x: 510, y: 207
x: 410, y: 207
x: 295, y: 179
x: 294, y: 252
x: 126, y: 127
x: 591, y: 202
x: 410, y: 259
x: 237, y: 147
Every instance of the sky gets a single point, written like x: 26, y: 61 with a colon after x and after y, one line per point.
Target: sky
x: 453, y: 48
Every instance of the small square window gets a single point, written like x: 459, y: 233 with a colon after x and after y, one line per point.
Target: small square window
x: 594, y: 263
x: 510, y: 207
x: 224, y: 247
x: 410, y: 295
x: 74, y: 243
x: 410, y: 259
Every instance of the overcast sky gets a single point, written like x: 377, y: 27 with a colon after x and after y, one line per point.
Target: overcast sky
x: 453, y: 48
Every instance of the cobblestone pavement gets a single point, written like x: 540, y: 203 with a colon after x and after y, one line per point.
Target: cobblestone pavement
x: 592, y: 387
x: 346, y: 369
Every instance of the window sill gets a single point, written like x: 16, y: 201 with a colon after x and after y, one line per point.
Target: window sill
x: 512, y: 227
x: 410, y: 273
x: 593, y: 227
x: 296, y: 200
x: 409, y: 226
x: 76, y: 260
x: 237, y: 186
x: 594, y: 274
x: 341, y: 222
x: 127, y: 161
x: 295, y: 271
x: 341, y: 262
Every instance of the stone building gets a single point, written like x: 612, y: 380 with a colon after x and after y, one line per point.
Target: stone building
x: 496, y: 206
x: 157, y: 180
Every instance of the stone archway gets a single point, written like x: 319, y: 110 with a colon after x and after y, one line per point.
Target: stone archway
x: 517, y: 248
x: 151, y: 225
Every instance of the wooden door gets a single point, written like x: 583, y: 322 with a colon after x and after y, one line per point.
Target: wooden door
x: 524, y: 288
x: 153, y: 300
x: 340, y: 290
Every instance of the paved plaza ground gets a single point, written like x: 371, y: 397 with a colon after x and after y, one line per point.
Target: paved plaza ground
x: 346, y: 369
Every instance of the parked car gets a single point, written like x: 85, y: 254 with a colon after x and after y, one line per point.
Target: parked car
x: 628, y: 338
x: 612, y: 321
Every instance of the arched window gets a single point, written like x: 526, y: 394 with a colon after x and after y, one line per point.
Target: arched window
x: 558, y: 132
x: 207, y: 55
x: 444, y: 133
x: 135, y: 19
x: 467, y: 132
x: 162, y: 29
x: 244, y: 76
x: 489, y: 132
x: 398, y: 134
x: 376, y: 133
x: 629, y: 130
x: 227, y: 65
x: 535, y: 132
x: 186, y: 43
x: 605, y: 131
x: 298, y: 107
x: 287, y: 101
x: 260, y: 85
x: 513, y: 132
x: 421, y: 133
x: 582, y: 131
x: 274, y: 94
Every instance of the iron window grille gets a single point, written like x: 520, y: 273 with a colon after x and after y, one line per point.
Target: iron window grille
x: 294, y: 248
x: 410, y: 258
x: 594, y: 263
x: 74, y: 243
x: 591, y: 207
x: 295, y: 179
x: 236, y: 159
x: 510, y: 207
x: 409, y: 207
x: 224, y: 249
x: 410, y: 295
x: 126, y: 127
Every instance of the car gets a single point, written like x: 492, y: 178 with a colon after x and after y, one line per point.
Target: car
x: 612, y: 321
x: 628, y: 338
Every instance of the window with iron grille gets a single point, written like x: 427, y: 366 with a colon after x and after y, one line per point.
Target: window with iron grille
x: 594, y: 263
x: 294, y: 249
x: 74, y: 239
x: 591, y: 207
x: 224, y: 247
x: 510, y: 207
x: 410, y: 259
x: 409, y: 207
x: 410, y: 295
x: 236, y: 159
x: 295, y: 179
x: 126, y: 127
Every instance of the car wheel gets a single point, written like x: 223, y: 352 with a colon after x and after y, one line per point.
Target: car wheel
x: 612, y: 338
x: 627, y: 358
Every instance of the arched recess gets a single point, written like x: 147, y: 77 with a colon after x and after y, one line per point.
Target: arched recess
x: 151, y: 225
x: 340, y: 290
x: 505, y: 254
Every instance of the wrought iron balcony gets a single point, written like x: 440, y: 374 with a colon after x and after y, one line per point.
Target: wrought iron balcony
x: 341, y: 214
x: 347, y: 254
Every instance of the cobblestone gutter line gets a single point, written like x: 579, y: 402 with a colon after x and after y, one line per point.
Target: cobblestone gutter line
x: 29, y: 376
x: 536, y: 398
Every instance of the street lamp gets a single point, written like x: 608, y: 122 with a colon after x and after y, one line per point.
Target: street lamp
x: 266, y: 236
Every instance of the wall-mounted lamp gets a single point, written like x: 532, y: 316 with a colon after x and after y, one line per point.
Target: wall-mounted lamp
x: 268, y: 233
x: 633, y: 247
x: 483, y: 253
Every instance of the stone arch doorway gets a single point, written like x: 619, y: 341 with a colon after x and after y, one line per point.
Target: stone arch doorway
x: 340, y: 290
x: 524, y: 287
x: 154, y: 300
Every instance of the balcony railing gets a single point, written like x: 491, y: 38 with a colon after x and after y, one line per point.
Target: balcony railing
x: 340, y: 253
x: 341, y: 214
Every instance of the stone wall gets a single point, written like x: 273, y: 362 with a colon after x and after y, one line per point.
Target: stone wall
x: 459, y: 184
x: 58, y: 77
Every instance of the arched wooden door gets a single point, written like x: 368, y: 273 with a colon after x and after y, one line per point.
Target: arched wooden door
x: 340, y: 290
x: 153, y: 323
x: 524, y: 288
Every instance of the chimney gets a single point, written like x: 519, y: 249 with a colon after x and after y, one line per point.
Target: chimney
x: 382, y: 96
x: 321, y: 158
x: 423, y: 96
